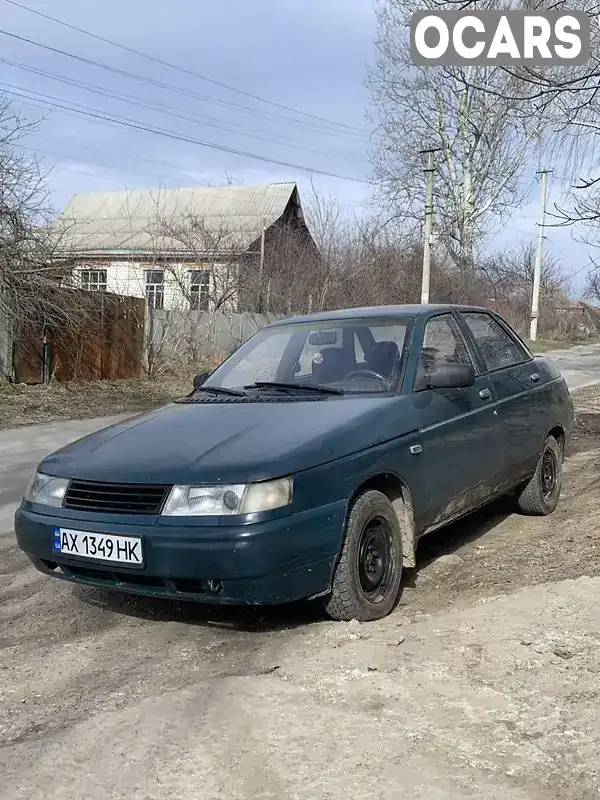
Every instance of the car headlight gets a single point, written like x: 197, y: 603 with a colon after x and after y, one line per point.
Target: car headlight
x: 46, y: 489
x: 241, y: 498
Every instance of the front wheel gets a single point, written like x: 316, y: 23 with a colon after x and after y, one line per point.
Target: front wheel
x: 540, y: 496
x: 366, y: 584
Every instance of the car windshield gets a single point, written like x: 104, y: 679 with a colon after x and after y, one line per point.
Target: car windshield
x: 359, y: 355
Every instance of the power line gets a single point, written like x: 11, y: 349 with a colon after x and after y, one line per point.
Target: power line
x: 118, y: 169
x: 577, y: 271
x: 86, y: 111
x: 183, y: 70
x: 95, y: 175
x: 169, y: 167
x: 177, y: 89
x: 154, y: 161
x: 131, y: 99
x: 69, y: 157
x: 58, y: 154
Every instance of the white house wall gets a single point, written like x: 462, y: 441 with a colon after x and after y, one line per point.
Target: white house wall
x: 128, y: 278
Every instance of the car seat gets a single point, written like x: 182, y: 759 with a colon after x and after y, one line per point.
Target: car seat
x: 382, y: 358
x: 332, y: 367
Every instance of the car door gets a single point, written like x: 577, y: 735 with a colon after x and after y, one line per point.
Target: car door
x: 522, y: 402
x: 458, y: 428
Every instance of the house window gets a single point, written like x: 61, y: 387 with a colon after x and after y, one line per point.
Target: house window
x: 155, y: 288
x: 93, y: 280
x: 199, y: 289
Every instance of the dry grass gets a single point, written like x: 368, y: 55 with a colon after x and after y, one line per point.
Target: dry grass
x: 549, y: 345
x: 32, y: 405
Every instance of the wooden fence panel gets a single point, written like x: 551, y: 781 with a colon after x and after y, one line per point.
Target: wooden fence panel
x: 28, y: 356
x: 123, y: 338
x: 107, y: 344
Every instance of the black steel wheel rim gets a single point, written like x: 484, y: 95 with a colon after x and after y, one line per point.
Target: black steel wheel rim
x: 549, y: 474
x: 376, y: 559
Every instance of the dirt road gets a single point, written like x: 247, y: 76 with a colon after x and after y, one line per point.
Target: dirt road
x: 484, y: 683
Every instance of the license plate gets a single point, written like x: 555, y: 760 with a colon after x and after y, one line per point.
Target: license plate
x: 99, y: 546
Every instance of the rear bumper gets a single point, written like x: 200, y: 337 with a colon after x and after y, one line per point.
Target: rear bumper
x: 273, y: 562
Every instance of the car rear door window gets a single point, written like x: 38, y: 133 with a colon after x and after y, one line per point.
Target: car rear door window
x: 498, y: 348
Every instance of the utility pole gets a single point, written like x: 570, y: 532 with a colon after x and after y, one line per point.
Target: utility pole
x: 428, y: 227
x: 537, y: 272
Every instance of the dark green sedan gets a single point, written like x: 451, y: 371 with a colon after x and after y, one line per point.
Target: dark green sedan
x: 308, y: 464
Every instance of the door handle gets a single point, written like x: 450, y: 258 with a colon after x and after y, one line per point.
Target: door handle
x: 534, y: 377
x: 485, y: 394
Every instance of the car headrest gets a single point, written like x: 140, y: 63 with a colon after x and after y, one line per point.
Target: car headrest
x: 329, y: 365
x: 383, y: 357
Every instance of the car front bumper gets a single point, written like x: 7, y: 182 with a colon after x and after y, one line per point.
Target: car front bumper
x: 278, y: 561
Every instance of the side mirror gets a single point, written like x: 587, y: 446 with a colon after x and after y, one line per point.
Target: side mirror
x: 445, y: 376
x: 199, y: 380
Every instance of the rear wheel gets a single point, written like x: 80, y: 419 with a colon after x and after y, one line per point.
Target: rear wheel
x: 366, y: 584
x: 540, y: 496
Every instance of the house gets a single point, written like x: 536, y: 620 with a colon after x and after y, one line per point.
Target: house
x: 224, y: 248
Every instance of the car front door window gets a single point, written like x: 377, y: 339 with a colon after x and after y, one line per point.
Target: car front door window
x: 443, y: 342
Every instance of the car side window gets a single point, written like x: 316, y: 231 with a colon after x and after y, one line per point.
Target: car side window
x: 498, y: 349
x: 443, y: 342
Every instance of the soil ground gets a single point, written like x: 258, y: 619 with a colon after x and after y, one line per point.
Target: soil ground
x: 483, y: 684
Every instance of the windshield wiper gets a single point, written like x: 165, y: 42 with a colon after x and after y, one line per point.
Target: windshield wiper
x: 220, y: 390
x: 304, y: 387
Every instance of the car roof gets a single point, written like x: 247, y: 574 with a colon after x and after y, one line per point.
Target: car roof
x: 373, y: 312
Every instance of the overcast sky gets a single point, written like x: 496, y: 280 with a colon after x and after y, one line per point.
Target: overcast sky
x: 308, y: 56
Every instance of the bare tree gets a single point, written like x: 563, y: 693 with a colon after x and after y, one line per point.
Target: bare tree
x: 29, y: 274
x: 513, y: 270
x: 208, y: 249
x: 468, y: 115
x: 36, y: 299
x: 331, y: 230
x: 505, y: 279
x: 200, y: 261
x: 592, y: 285
x: 565, y: 101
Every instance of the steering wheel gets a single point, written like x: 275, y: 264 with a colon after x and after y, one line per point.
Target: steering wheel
x: 358, y: 373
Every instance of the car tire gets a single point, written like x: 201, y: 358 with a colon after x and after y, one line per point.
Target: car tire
x: 540, y: 496
x: 366, y: 583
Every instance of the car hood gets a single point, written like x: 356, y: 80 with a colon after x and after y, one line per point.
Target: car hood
x: 228, y: 442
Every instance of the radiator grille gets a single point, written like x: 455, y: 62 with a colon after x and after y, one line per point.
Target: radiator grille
x: 115, y: 498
